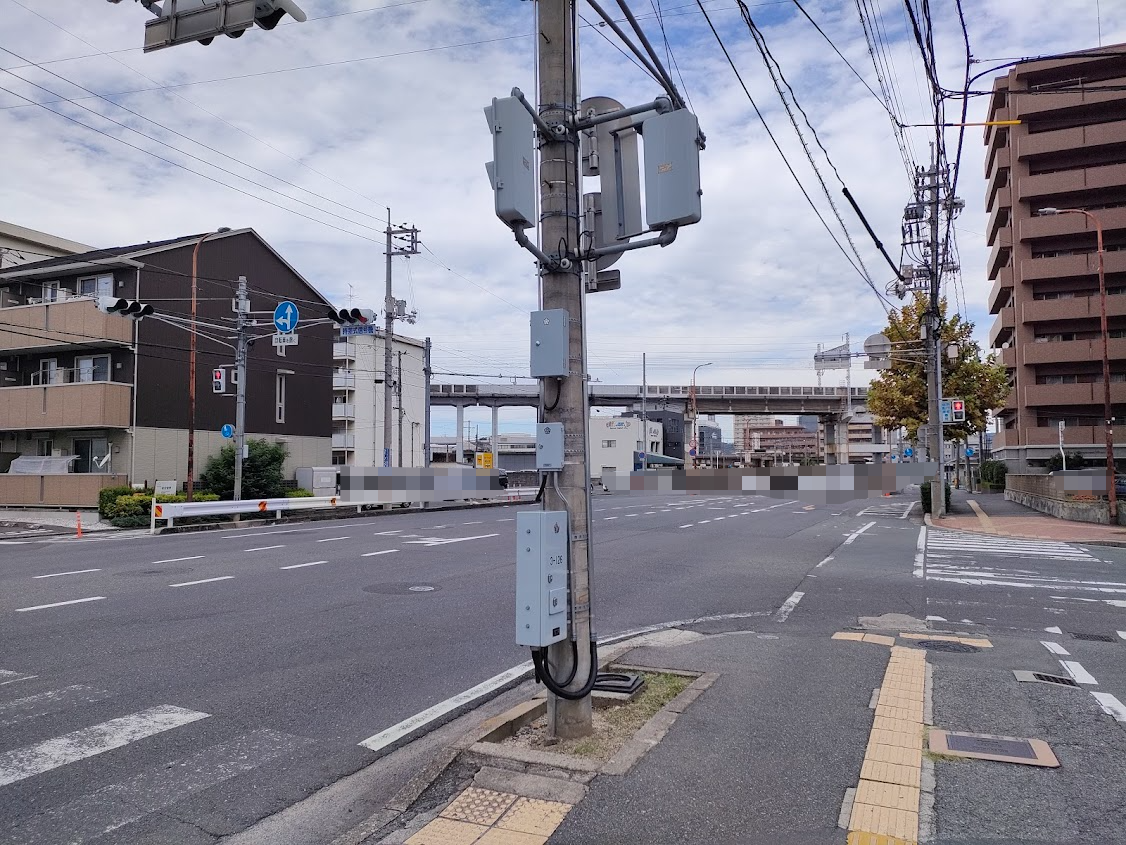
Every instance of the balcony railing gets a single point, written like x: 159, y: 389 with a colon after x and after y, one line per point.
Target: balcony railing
x: 104, y: 404
x: 344, y: 411
x: 343, y: 441
x: 67, y: 322
x: 342, y: 350
x: 343, y: 380
x: 1003, y: 327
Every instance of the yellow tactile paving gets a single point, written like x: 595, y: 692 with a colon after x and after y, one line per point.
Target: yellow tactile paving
x: 480, y: 806
x: 895, y: 796
x: 447, y: 832
x: 879, y: 639
x: 896, y: 725
x: 889, y: 773
x: 901, y: 823
x: 863, y: 837
x: 904, y: 714
x: 855, y: 636
x: 893, y: 698
x: 531, y: 815
x: 978, y: 643
x: 913, y: 739
x: 894, y: 754
x: 500, y: 836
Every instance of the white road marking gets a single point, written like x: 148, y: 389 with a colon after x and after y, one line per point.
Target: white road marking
x: 202, y: 581
x: 649, y: 513
x: 936, y: 619
x: 718, y: 518
x: 177, y: 559
x: 439, y: 541
x: 689, y: 525
x: 513, y: 519
x: 384, y: 552
x: 788, y: 607
x: 1055, y: 648
x: 1055, y: 629
x: 88, y: 742
x: 1111, y: 705
x: 1111, y: 602
x: 608, y: 518
x: 852, y: 537
x: 34, y: 706
x: 396, y: 531
x: 1077, y: 672
x: 264, y: 548
x: 72, y: 572
x: 825, y: 561
x: 58, y: 604
x: 703, y: 522
x: 920, y: 552
x: 330, y: 539
x: 300, y: 565
x: 17, y: 680
x: 407, y: 726
x: 478, y: 522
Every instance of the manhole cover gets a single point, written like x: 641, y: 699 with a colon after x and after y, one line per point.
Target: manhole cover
x: 991, y: 745
x: 399, y: 589
x: 1095, y: 638
x: 1042, y: 678
x: 946, y: 645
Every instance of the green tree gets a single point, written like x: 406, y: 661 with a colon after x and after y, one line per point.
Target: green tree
x: 899, y: 396
x: 261, y: 471
x: 1074, y: 461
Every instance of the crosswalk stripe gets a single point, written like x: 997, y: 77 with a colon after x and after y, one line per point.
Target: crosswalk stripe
x: 88, y: 742
x: 114, y: 806
x: 34, y: 706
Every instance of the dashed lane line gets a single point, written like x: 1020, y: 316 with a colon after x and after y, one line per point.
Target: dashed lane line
x: 72, y: 572
x: 303, y: 565
x: 202, y: 581
x: 263, y: 548
x: 59, y: 604
x: 383, y: 552
x: 177, y: 559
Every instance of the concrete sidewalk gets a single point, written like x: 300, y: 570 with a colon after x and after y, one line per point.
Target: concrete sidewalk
x: 991, y: 513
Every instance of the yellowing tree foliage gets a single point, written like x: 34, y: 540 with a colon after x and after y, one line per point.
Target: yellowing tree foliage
x: 899, y: 396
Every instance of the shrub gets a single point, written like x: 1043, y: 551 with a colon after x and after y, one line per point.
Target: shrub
x: 1074, y: 461
x: 261, y: 471
x: 994, y: 472
x: 299, y: 493
x: 140, y: 505
x: 925, y: 495
x: 107, y: 496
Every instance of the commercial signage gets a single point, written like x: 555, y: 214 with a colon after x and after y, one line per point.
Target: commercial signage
x: 349, y: 331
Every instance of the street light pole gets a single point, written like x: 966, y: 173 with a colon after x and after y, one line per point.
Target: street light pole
x: 692, y: 402
x: 1111, y: 493
x: 189, y: 489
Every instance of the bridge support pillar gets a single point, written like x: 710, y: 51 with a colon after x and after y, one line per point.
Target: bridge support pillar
x: 496, y: 418
x: 460, y: 454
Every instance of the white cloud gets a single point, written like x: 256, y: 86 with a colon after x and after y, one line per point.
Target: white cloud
x: 754, y: 287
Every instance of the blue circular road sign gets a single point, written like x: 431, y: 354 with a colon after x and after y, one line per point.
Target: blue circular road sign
x: 286, y: 316
x: 969, y: 451
x: 692, y: 452
x: 227, y: 430
x: 908, y: 452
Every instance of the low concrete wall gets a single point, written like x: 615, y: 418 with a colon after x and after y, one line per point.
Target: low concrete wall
x: 72, y: 490
x: 1075, y: 496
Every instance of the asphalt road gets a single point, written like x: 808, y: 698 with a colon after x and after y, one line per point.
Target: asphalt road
x: 175, y: 689
x: 179, y: 689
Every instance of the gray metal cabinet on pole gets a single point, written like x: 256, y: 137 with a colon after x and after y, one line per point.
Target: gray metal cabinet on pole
x: 561, y: 287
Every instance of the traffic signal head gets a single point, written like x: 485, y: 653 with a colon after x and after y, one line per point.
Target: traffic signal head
x: 351, y: 316
x: 184, y: 21
x: 124, y: 307
x: 958, y: 410
x: 219, y: 380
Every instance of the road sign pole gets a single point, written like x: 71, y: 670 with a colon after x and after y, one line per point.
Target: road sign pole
x: 240, y: 385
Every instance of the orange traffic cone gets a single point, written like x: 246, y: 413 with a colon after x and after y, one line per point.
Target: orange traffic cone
x: 78, y: 514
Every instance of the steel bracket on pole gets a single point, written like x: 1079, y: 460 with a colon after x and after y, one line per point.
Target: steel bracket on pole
x: 667, y: 236
x: 661, y: 105
x: 544, y: 127
x: 551, y: 263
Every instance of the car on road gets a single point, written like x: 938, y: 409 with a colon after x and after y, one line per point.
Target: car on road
x: 503, y: 478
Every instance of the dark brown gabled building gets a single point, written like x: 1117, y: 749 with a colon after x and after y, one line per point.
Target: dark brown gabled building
x: 1068, y: 151
x: 109, y: 395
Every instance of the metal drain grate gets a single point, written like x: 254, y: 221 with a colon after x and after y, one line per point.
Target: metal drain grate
x: 1043, y: 678
x: 946, y: 645
x: 1095, y: 638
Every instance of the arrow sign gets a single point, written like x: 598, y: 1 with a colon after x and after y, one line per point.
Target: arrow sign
x: 286, y: 317
x: 227, y: 431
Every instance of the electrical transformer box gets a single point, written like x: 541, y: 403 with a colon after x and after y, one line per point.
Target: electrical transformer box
x: 541, y: 577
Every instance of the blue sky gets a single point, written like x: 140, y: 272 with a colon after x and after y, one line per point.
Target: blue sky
x: 341, y: 133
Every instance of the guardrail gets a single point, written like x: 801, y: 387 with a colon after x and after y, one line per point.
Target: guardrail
x: 170, y: 511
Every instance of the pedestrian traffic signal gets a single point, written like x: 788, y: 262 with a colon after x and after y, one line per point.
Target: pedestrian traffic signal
x: 124, y: 307
x: 219, y: 380
x: 351, y: 316
x: 958, y: 410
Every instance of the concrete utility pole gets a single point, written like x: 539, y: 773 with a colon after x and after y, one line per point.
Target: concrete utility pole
x: 561, y: 287
x: 390, y: 307
x: 426, y: 414
x: 644, y: 416
x: 934, y: 373
x: 242, y: 343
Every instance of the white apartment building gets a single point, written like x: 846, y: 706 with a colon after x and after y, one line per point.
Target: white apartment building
x: 616, y: 442
x: 20, y: 245
x: 357, y: 398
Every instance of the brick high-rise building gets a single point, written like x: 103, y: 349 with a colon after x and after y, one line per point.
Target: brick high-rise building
x: 1069, y: 151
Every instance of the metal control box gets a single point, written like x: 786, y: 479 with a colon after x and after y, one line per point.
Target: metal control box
x: 541, y: 577
x: 672, y: 169
x: 549, y: 446
x: 550, y: 334
x: 511, y: 171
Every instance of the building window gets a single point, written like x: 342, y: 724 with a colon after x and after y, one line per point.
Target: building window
x: 609, y: 444
x: 279, y: 397
x: 44, y: 447
x: 96, y: 286
x: 50, y: 291
x: 339, y: 459
x: 92, y: 368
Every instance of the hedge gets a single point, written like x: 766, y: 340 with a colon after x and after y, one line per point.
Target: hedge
x: 925, y: 495
x: 139, y: 504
